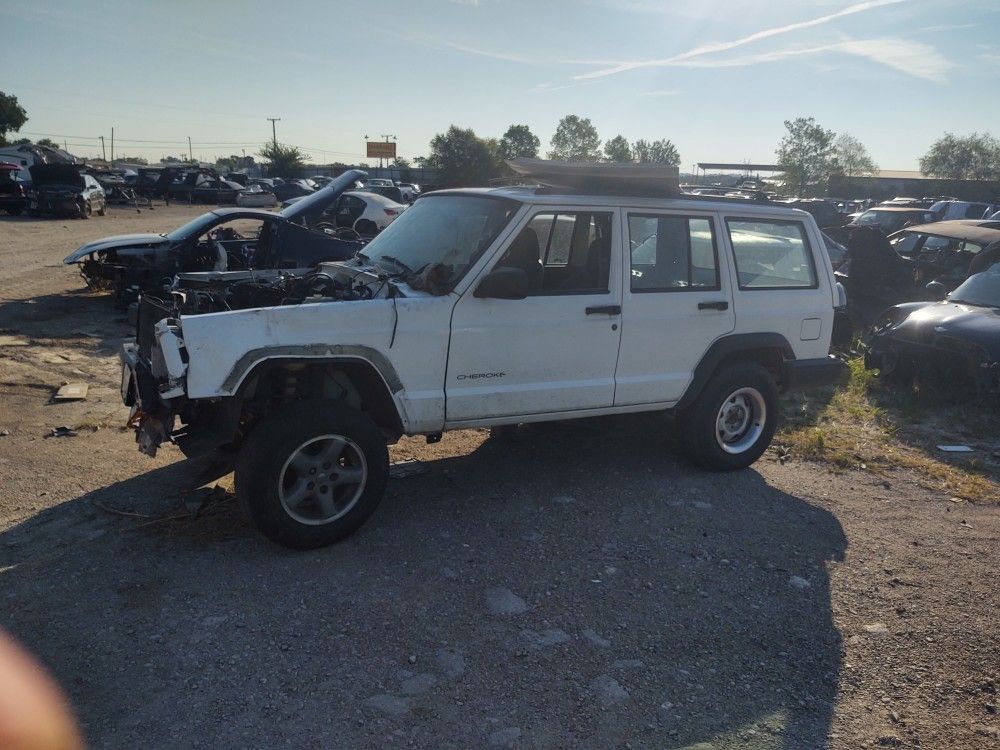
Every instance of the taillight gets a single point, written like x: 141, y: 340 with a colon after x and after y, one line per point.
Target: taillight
x: 391, y: 212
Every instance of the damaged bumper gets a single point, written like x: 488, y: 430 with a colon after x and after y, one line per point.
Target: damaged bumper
x: 153, y: 386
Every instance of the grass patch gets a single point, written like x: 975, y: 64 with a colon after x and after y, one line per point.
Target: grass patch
x: 883, y: 427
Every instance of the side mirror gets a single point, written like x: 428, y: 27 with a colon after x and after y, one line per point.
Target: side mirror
x: 504, y: 283
x: 936, y: 291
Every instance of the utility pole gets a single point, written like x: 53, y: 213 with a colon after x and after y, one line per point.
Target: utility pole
x: 387, y: 137
x: 112, y: 144
x: 274, y: 132
x: 244, y: 165
x: 190, y: 154
x: 104, y: 153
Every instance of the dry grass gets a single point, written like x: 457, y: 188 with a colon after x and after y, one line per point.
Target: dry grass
x: 873, y: 426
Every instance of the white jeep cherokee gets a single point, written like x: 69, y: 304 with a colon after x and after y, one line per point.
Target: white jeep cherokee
x: 485, y: 307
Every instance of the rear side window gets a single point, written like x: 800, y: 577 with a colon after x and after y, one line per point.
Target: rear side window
x: 771, y: 254
x: 672, y: 254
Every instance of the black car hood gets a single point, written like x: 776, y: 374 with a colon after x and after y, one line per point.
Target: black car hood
x: 323, y: 198
x: 56, y: 174
x: 118, y: 242
x: 929, y: 323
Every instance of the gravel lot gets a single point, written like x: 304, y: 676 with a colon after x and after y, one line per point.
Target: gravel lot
x: 576, y: 585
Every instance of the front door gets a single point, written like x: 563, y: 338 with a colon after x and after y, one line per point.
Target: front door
x: 678, y: 300
x: 555, y: 350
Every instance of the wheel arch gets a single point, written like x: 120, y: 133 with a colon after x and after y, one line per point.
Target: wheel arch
x: 770, y: 350
x: 374, y: 382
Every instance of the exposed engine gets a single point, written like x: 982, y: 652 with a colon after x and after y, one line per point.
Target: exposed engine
x: 199, y: 293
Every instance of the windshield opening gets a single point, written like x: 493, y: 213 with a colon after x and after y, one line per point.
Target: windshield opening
x: 447, y: 230
x: 192, y: 228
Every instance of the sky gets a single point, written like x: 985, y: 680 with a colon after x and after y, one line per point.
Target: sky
x: 717, y: 77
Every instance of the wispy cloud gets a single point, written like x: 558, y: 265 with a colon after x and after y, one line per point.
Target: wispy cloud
x: 914, y: 58
x: 708, y: 49
x: 664, y: 92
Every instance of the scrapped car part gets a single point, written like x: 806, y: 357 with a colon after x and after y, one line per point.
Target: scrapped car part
x: 957, y: 338
x: 889, y: 219
x: 294, y: 238
x: 947, y: 251
x: 485, y: 308
x: 13, y: 191
x: 63, y: 189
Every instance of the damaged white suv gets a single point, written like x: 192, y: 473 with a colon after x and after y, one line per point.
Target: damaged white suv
x: 485, y: 307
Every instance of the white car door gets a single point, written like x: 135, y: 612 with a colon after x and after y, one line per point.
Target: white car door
x: 556, y: 350
x: 677, y: 300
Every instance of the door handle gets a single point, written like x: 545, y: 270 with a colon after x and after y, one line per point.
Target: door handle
x: 605, y: 310
x: 717, y: 305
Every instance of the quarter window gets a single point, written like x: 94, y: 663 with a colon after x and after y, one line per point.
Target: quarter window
x: 672, y: 253
x: 771, y: 254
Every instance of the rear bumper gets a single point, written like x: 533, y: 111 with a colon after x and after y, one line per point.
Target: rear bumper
x: 802, y: 374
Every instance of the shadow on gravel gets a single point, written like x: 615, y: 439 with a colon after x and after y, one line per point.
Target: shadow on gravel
x: 75, y: 314
x: 574, y: 586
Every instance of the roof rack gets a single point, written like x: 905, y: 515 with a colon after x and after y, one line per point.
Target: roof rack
x: 653, y: 180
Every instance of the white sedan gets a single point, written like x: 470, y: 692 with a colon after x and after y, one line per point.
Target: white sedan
x: 365, y: 213
x: 256, y: 196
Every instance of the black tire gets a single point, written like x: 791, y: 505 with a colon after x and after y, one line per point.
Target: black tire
x: 103, y: 209
x: 264, y: 465
x: 85, y: 209
x: 699, y: 424
x: 366, y: 228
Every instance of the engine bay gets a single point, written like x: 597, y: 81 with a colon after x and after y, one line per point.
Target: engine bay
x: 208, y: 292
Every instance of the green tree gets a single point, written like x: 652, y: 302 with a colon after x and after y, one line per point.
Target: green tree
x: 282, y: 160
x: 575, y: 139
x: 132, y: 160
x: 519, y: 142
x: 971, y: 157
x: 618, y: 149
x: 851, y: 158
x: 12, y: 116
x: 400, y: 163
x: 47, y: 142
x: 806, y: 154
x: 462, y: 158
x: 662, y: 151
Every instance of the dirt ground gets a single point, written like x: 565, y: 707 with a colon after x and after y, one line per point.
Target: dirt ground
x: 577, y: 585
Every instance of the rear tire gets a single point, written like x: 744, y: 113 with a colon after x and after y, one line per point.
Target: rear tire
x: 85, y: 209
x: 102, y: 210
x: 312, y: 474
x: 731, y: 423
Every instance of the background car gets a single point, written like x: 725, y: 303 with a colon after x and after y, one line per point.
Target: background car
x: 365, y: 212
x: 959, y: 335
x: 943, y: 251
x: 945, y: 210
x: 891, y: 219
x: 293, y: 189
x: 63, y: 189
x: 256, y: 196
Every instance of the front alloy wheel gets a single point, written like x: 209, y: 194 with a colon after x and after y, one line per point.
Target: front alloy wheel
x: 323, y: 479
x: 312, y: 473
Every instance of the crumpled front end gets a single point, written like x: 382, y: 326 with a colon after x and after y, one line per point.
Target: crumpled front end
x: 153, y: 374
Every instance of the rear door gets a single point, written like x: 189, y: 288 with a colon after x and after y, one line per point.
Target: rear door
x: 677, y: 301
x: 783, y: 283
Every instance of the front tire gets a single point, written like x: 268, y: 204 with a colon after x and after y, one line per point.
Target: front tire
x: 85, y: 209
x: 312, y: 474
x: 732, y: 421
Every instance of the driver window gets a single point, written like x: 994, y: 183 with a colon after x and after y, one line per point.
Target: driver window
x: 564, y: 252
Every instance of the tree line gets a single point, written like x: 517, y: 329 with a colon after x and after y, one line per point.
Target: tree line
x: 461, y: 157
x: 808, y: 152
